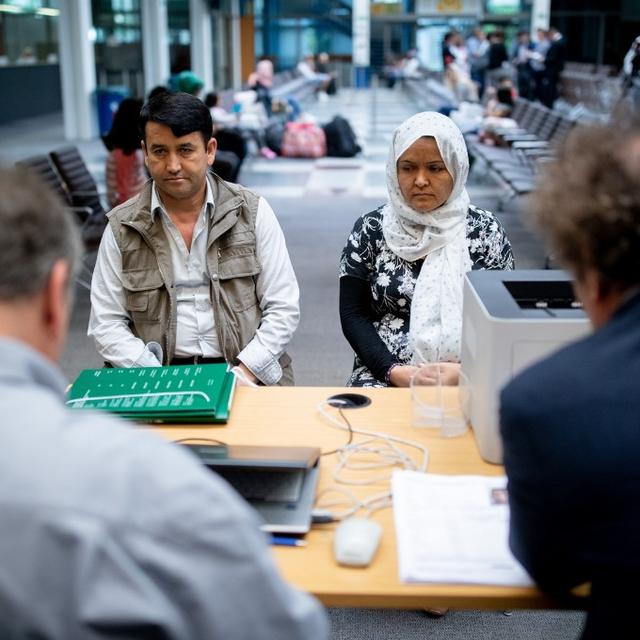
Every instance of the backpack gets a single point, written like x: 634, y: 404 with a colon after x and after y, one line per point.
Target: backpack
x: 303, y: 140
x: 341, y: 140
x: 273, y: 136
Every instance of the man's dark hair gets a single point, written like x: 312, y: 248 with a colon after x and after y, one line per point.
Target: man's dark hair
x: 181, y: 112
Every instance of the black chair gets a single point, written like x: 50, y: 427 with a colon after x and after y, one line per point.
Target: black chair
x: 91, y: 226
x: 78, y: 180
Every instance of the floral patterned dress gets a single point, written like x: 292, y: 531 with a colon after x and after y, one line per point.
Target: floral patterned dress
x: 366, y: 256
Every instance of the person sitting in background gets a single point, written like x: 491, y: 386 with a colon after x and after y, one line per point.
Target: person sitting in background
x: 570, y: 423
x: 228, y: 136
x: 220, y: 116
x: 109, y: 531
x: 408, y: 68
x: 189, y: 82
x: 307, y: 69
x: 125, y: 170
x: 194, y: 269
x: 322, y: 66
x: 497, y: 112
x: 230, y: 133
x: 402, y: 269
x: 261, y: 81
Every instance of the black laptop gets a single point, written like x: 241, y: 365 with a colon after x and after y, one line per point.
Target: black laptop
x: 279, y: 482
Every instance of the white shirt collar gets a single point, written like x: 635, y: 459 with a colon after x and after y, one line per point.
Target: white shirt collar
x: 156, y: 202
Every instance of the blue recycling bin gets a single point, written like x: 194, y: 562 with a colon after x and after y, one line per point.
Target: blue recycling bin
x: 108, y: 100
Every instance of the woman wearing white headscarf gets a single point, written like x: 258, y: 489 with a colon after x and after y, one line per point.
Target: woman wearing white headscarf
x: 402, y: 269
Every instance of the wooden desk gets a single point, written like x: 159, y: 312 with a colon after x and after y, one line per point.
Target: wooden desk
x: 289, y: 416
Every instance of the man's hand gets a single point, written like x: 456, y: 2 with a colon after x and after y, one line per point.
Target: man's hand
x: 244, y: 376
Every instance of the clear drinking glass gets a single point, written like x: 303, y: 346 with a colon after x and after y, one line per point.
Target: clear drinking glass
x: 436, y: 400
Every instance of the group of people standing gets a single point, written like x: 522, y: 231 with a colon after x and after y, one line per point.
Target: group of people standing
x: 483, y: 60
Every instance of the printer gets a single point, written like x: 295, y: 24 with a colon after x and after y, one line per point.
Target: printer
x: 510, y: 319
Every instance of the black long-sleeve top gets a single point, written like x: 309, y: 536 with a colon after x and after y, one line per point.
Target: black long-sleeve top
x: 376, y: 289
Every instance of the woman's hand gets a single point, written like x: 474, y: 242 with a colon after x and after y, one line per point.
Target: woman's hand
x: 449, y: 373
x: 400, y: 375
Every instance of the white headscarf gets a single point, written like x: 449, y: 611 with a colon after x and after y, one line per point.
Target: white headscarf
x: 438, y: 236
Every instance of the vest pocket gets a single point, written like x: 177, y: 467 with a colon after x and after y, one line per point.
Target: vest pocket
x: 143, y: 294
x: 237, y: 267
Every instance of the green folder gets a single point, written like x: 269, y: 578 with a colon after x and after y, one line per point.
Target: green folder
x: 195, y: 393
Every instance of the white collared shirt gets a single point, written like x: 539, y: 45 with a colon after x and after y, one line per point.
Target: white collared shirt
x: 276, y: 288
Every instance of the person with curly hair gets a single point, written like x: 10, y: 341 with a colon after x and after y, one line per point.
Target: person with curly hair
x: 570, y: 426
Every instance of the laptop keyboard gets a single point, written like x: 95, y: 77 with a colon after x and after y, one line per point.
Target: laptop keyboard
x: 264, y: 485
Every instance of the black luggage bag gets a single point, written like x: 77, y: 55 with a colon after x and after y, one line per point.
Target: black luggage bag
x: 341, y: 140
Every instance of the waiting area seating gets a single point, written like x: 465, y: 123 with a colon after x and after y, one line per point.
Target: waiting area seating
x: 515, y: 161
x: 429, y: 93
x: 596, y: 87
x: 289, y: 83
x: 66, y: 173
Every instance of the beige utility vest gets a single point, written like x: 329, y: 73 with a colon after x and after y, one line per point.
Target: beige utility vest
x: 147, y: 272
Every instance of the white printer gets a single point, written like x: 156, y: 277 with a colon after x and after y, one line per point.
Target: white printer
x: 510, y: 319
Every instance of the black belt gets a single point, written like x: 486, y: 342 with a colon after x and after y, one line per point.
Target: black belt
x: 196, y: 360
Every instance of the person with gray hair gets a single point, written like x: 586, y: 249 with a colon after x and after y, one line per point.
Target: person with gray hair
x: 570, y: 424
x: 108, y: 531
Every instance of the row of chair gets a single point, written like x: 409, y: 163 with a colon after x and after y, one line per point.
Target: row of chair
x: 597, y: 92
x: 285, y: 83
x: 66, y: 173
x: 516, y: 162
x: 429, y: 93
x: 590, y: 67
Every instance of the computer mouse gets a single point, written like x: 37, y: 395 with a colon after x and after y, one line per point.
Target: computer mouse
x: 355, y: 541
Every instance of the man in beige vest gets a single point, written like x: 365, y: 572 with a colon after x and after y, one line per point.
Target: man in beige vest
x: 193, y: 269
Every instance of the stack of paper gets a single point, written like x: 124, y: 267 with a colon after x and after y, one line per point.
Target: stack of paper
x: 454, y: 529
x: 190, y: 393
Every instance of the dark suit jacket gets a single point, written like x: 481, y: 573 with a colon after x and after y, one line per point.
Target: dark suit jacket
x: 571, y: 432
x: 555, y: 59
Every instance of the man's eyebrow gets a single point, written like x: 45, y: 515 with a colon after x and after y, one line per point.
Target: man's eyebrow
x: 157, y: 145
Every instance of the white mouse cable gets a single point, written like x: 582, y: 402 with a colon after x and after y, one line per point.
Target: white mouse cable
x: 391, y: 453
x: 352, y: 506
x: 390, y: 439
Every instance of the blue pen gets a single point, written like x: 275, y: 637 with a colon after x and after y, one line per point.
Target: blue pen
x: 284, y: 541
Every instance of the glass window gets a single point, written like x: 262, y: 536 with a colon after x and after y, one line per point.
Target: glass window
x: 29, y: 32
x: 179, y: 35
x: 118, y: 44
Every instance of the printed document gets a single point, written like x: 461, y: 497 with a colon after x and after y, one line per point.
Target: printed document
x: 454, y: 529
